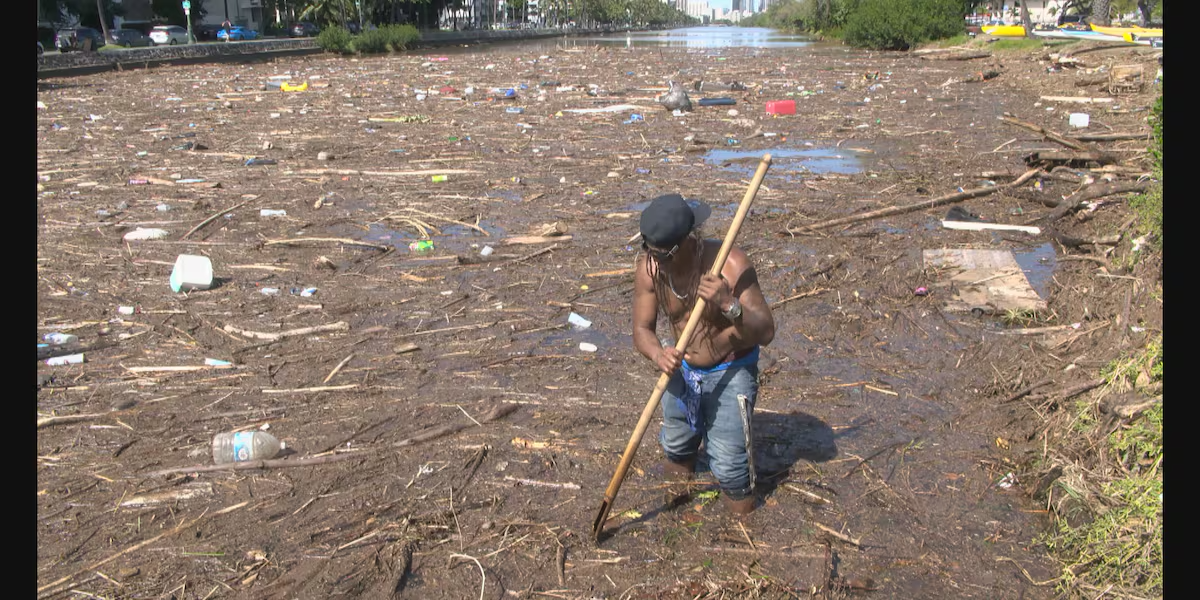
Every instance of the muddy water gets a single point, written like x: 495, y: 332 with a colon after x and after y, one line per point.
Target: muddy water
x: 871, y: 396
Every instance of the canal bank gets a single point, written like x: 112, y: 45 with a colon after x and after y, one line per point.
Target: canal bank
x: 892, y: 434
x: 74, y: 64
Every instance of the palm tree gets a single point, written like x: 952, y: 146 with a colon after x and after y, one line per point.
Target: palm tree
x: 1100, y: 10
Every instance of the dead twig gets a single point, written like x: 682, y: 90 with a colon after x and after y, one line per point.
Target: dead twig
x: 338, y: 368
x: 779, y: 303
x: 1070, y: 143
x: 498, y: 412
x: 216, y: 216
x: 324, y: 239
x: 482, y: 584
x: 1091, y: 192
x: 844, y: 538
x: 65, y: 419
x: 339, y: 326
x: 1021, y: 394
x: 931, y: 203
x: 179, y: 528
x: 276, y: 463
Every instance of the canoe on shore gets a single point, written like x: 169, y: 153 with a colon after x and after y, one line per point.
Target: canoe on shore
x: 1127, y: 33
x: 1073, y: 34
x: 1004, y: 30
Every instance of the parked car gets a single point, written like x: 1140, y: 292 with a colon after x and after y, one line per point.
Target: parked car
x: 67, y: 40
x: 169, y: 35
x: 128, y: 38
x: 304, y: 29
x: 206, y: 32
x: 237, y: 32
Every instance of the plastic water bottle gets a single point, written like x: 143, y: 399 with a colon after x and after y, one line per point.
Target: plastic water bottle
x: 243, y: 446
x: 58, y: 339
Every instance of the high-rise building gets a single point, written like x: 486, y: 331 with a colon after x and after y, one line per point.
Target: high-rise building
x: 737, y: 5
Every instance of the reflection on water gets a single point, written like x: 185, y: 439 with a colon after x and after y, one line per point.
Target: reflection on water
x: 793, y: 161
x: 1038, y: 264
x: 706, y: 37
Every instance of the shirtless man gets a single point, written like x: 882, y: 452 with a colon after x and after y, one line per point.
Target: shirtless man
x: 714, y: 383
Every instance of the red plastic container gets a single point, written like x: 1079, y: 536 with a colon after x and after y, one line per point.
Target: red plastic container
x: 781, y: 107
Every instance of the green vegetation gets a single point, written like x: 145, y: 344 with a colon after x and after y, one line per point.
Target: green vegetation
x: 1149, y: 207
x: 876, y: 24
x: 335, y: 39
x: 902, y: 24
x: 1109, y: 533
x: 1019, y: 44
x: 389, y: 38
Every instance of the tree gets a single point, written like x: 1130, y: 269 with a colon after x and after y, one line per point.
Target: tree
x: 1025, y: 19
x: 171, y: 11
x: 1100, y: 10
x: 103, y: 21
x: 1147, y: 8
x: 63, y: 12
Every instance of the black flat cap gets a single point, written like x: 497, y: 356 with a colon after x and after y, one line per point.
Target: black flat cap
x: 669, y: 218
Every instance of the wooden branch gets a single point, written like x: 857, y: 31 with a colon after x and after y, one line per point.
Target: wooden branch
x: 216, y: 216
x: 1076, y: 99
x: 1081, y: 388
x: 275, y: 463
x: 775, y: 305
x: 309, y: 172
x: 957, y: 56
x: 258, y: 335
x: 65, y: 419
x: 1022, y: 393
x: 1091, y: 192
x: 533, y: 254
x: 1108, y: 137
x: 844, y: 538
x: 328, y: 388
x: 441, y: 218
x: 324, y: 239
x: 1070, y: 143
x: 935, y: 202
x: 498, y: 412
x: 1070, y: 158
x: 534, y: 239
x: 535, y: 483
x: 446, y: 329
x: 181, y: 527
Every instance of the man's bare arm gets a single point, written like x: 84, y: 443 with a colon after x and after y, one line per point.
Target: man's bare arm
x: 756, y: 326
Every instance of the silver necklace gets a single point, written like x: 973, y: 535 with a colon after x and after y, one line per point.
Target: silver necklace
x: 671, y: 276
x: 671, y: 281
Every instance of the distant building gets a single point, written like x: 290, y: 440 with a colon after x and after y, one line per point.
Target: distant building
x: 247, y: 13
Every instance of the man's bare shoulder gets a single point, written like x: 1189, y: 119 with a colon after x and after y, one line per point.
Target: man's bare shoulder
x: 643, y: 272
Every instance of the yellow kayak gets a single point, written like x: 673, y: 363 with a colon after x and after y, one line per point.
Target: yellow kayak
x: 1004, y: 30
x: 1129, y: 32
x: 293, y: 88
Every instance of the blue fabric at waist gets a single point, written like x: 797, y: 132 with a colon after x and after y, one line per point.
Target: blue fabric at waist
x: 751, y: 358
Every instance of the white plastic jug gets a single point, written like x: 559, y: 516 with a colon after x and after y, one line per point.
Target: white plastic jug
x: 191, y: 273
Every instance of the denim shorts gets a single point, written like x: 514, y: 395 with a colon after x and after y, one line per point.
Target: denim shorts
x: 720, y: 425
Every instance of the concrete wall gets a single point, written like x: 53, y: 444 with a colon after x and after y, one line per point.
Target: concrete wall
x: 78, y: 63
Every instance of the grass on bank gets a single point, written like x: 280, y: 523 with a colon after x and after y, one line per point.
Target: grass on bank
x: 389, y: 38
x: 1108, y: 516
x: 1108, y: 504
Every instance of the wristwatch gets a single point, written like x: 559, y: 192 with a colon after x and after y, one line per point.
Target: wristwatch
x: 734, y: 312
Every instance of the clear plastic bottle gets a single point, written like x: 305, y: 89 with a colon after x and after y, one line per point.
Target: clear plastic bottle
x: 244, y: 445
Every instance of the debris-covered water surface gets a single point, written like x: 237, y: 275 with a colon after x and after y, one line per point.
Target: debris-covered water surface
x: 396, y: 250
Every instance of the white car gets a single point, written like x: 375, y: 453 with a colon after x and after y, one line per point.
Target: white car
x: 163, y: 35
